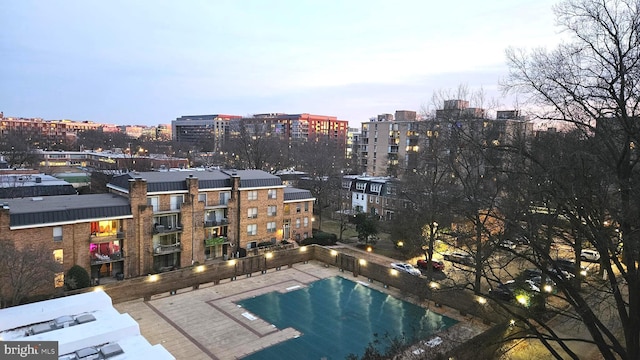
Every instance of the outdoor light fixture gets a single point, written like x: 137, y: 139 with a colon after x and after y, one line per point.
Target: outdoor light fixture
x: 523, y: 300
x: 400, y: 244
x: 268, y: 255
x: 362, y: 262
x: 512, y: 322
x: 434, y: 285
x: 98, y: 288
x: 394, y: 272
x: 481, y: 300
x: 334, y: 253
x: 199, y: 268
x: 232, y: 262
x: 153, y: 278
x: 548, y: 288
x: 303, y: 249
x: 369, y: 249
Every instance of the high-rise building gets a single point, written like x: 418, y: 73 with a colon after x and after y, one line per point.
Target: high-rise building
x: 298, y: 126
x: 209, y: 131
x: 390, y: 146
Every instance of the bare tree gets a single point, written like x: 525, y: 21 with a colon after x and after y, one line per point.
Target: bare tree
x: 323, y: 160
x: 253, y: 146
x: 24, y: 272
x: 17, y: 150
x: 591, y: 83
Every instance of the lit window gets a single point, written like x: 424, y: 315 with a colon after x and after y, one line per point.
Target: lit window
x: 58, y: 255
x: 59, y: 280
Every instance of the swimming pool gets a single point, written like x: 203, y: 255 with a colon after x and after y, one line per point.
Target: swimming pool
x: 338, y: 317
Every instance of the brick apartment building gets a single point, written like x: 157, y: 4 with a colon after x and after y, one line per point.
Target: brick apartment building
x: 156, y: 221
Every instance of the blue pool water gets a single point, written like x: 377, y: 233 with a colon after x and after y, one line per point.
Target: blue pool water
x: 338, y: 317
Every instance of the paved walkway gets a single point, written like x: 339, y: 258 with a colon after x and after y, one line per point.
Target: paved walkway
x: 207, y: 324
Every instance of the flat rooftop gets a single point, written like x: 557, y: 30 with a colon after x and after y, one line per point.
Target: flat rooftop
x: 83, y: 325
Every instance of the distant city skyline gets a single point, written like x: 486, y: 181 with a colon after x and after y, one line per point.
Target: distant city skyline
x: 149, y: 62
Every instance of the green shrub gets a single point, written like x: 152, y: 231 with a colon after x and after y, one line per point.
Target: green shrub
x: 77, y: 278
x: 320, y: 238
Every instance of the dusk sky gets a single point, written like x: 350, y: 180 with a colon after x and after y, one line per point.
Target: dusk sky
x: 148, y: 62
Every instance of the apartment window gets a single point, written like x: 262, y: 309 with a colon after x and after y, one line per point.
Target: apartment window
x: 224, y: 198
x: 57, y: 233
x: 272, y: 194
x: 377, y: 200
x: 306, y: 206
x: 371, y: 199
x: 203, y: 198
x: 287, y: 209
x: 361, y: 186
x: 297, y: 223
x: 252, y: 229
x: 306, y: 222
x: 272, y: 210
x: 176, y: 201
x: 252, y: 195
x: 58, y: 255
x: 271, y: 227
x: 298, y: 208
x: 252, y: 213
x: 58, y: 280
x: 154, y: 202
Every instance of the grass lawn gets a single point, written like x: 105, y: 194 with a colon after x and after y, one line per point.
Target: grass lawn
x: 332, y: 226
x: 383, y: 246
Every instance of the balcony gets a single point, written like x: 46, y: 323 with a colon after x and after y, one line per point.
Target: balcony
x: 162, y: 229
x: 212, y: 223
x: 166, y: 249
x: 103, y: 258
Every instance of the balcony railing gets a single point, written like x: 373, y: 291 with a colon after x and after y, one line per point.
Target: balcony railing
x: 102, y: 258
x: 211, y: 223
x: 161, y: 229
x: 167, y: 249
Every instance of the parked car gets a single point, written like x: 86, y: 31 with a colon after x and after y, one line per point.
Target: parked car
x: 589, y: 255
x: 547, y: 285
x: 424, y: 264
x: 507, y: 244
x: 568, y: 266
x: 506, y: 291
x: 528, y: 274
x: 460, y: 257
x: 520, y: 240
x: 408, y: 268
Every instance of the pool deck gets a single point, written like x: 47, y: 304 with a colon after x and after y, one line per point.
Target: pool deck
x: 207, y: 324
